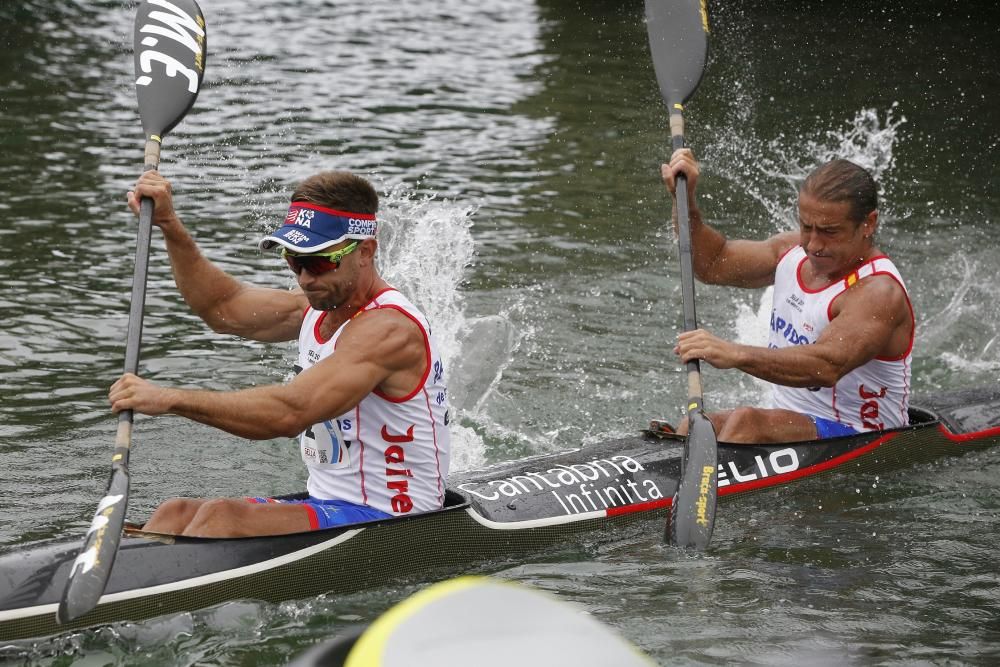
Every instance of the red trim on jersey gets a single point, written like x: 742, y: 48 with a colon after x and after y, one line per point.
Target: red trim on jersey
x: 316, y: 334
x: 829, y: 306
x: 377, y: 295
x: 798, y: 276
x: 906, y: 295
x: 323, y: 314
x: 802, y: 286
x: 427, y: 350
x: 909, y: 305
x: 361, y: 452
x: 913, y: 319
x: 434, y: 437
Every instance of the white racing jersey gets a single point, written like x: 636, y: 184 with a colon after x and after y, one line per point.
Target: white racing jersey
x: 874, y: 396
x: 388, y: 453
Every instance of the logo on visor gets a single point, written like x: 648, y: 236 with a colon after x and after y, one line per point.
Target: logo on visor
x: 295, y: 236
x: 358, y: 226
x: 302, y: 217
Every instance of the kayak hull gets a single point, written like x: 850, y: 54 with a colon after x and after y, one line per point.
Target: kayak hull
x: 492, y: 514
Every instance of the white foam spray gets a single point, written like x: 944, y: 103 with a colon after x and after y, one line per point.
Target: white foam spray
x: 426, y: 248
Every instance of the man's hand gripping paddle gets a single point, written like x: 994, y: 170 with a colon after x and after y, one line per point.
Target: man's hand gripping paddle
x: 678, y: 40
x: 169, y: 44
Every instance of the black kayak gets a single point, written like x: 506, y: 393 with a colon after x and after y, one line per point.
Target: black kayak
x: 518, y: 507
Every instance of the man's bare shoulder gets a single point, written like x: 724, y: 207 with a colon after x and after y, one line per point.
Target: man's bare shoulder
x: 781, y: 243
x: 879, y: 285
x: 881, y: 295
x: 385, y: 331
x: 389, y: 318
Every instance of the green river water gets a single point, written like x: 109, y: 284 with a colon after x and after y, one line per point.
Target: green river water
x: 516, y: 145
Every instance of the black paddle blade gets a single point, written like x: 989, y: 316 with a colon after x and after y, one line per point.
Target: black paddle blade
x: 678, y: 41
x: 89, y: 573
x: 169, y: 61
x: 692, y: 514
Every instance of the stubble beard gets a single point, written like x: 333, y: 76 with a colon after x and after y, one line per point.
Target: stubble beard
x: 324, y: 302
x: 332, y: 298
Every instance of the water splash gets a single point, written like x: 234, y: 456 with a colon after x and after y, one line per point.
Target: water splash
x: 752, y: 326
x: 867, y: 141
x: 488, y: 346
x: 982, y: 365
x: 956, y: 332
x: 771, y: 172
x: 426, y: 247
x: 937, y: 327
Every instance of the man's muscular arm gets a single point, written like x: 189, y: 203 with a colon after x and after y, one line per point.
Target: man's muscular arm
x: 872, y: 319
x: 717, y: 260
x: 383, y: 349
x: 223, y: 302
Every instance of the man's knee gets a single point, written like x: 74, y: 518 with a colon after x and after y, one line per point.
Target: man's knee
x: 219, y: 517
x: 748, y: 425
x: 178, y: 506
x: 172, y: 515
x: 742, y: 425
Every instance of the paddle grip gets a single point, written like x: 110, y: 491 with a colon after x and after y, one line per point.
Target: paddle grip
x: 687, y: 265
x: 152, y: 154
x: 138, y: 299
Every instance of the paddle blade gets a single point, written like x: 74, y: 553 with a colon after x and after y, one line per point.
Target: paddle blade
x: 169, y: 61
x: 90, y: 571
x: 692, y: 514
x: 678, y: 41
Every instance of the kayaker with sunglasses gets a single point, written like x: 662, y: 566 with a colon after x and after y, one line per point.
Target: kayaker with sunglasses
x: 368, y: 403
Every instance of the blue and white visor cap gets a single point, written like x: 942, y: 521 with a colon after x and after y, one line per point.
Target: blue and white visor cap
x: 311, y: 228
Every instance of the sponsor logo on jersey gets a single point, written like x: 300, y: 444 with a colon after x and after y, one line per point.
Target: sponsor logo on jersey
x: 787, y: 330
x: 396, y: 474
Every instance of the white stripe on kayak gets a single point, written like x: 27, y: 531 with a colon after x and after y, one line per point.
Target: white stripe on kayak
x: 246, y: 570
x: 534, y: 523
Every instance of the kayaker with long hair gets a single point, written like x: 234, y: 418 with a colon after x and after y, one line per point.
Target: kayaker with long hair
x: 842, y: 326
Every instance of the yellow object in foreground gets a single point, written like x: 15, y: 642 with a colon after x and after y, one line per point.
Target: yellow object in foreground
x: 483, y: 622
